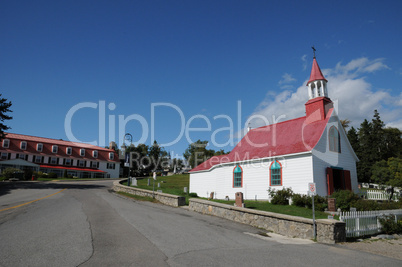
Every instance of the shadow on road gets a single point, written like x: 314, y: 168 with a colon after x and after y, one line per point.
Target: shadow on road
x: 7, y: 187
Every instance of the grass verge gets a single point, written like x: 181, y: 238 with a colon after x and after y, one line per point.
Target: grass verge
x: 175, y: 185
x: 282, y: 209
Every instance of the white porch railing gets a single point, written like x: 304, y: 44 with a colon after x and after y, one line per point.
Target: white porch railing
x: 360, y: 223
x: 380, y: 195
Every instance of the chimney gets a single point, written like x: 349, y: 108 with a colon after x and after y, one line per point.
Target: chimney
x: 112, y: 145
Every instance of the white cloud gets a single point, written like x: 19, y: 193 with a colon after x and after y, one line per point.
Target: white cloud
x: 347, y: 85
x: 304, y: 60
x: 287, y: 78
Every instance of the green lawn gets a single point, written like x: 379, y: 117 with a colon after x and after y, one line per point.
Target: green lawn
x: 168, y: 184
x: 175, y: 185
x: 282, y: 209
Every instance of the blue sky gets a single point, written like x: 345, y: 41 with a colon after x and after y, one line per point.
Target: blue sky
x: 194, y: 63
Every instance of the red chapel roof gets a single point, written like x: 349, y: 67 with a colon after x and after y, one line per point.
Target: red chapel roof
x: 284, y: 138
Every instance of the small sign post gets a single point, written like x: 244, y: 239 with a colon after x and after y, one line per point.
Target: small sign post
x: 127, y: 160
x: 127, y: 164
x: 312, y: 191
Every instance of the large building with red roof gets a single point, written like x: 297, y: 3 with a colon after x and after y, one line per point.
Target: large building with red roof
x: 289, y: 154
x: 58, y: 156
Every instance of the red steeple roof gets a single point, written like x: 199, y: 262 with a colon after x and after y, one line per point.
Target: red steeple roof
x: 316, y: 73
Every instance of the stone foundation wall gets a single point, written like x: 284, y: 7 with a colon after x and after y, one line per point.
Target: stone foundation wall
x: 167, y: 199
x: 328, y: 231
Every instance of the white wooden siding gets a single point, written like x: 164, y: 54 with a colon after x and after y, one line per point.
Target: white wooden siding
x: 296, y: 173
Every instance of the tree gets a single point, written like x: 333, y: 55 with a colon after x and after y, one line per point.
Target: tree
x: 345, y: 123
x: 395, y: 166
x: 178, y: 163
x: 381, y: 173
x: 158, y: 156
x: 197, y: 153
x: 354, y: 139
x: 365, y: 152
x: 4, y: 108
x: 373, y: 143
x: 139, y: 159
x: 392, y: 142
x: 377, y: 137
x: 388, y: 173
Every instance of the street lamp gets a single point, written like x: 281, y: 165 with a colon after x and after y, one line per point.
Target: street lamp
x: 128, y: 137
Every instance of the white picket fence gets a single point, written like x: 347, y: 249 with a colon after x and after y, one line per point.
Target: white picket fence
x: 360, y: 223
x: 380, y: 195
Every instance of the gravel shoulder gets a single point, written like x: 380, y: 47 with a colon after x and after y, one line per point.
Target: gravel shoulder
x: 381, y: 246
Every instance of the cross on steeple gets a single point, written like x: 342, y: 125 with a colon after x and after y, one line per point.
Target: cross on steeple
x: 313, y: 50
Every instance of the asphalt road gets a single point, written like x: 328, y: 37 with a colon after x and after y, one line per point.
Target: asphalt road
x: 84, y: 224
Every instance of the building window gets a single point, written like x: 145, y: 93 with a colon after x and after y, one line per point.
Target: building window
x: 334, y: 140
x: 53, y: 160
x: 95, y: 153
x: 20, y: 156
x: 81, y: 163
x: 69, y: 150
x: 38, y: 159
x: 82, y: 152
x: 67, y: 162
x: 6, y: 143
x: 275, y: 171
x: 111, y: 156
x: 237, y: 176
x: 4, y: 155
x: 111, y: 166
x: 95, y: 164
x: 23, y: 145
x: 54, y: 149
x: 39, y: 147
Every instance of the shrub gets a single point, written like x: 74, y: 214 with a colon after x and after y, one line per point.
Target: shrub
x: 28, y: 174
x: 389, y: 226
x: 300, y: 200
x: 363, y: 205
x: 280, y: 197
x: 12, y: 173
x: 52, y: 175
x: 344, y: 199
x: 320, y: 203
x: 192, y: 195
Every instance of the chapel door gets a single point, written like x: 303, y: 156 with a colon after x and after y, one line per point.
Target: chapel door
x: 338, y: 179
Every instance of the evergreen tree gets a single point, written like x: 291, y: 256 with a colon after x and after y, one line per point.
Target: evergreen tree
x: 364, y: 153
x: 377, y: 138
x: 354, y: 139
x: 4, y: 108
x: 374, y: 143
